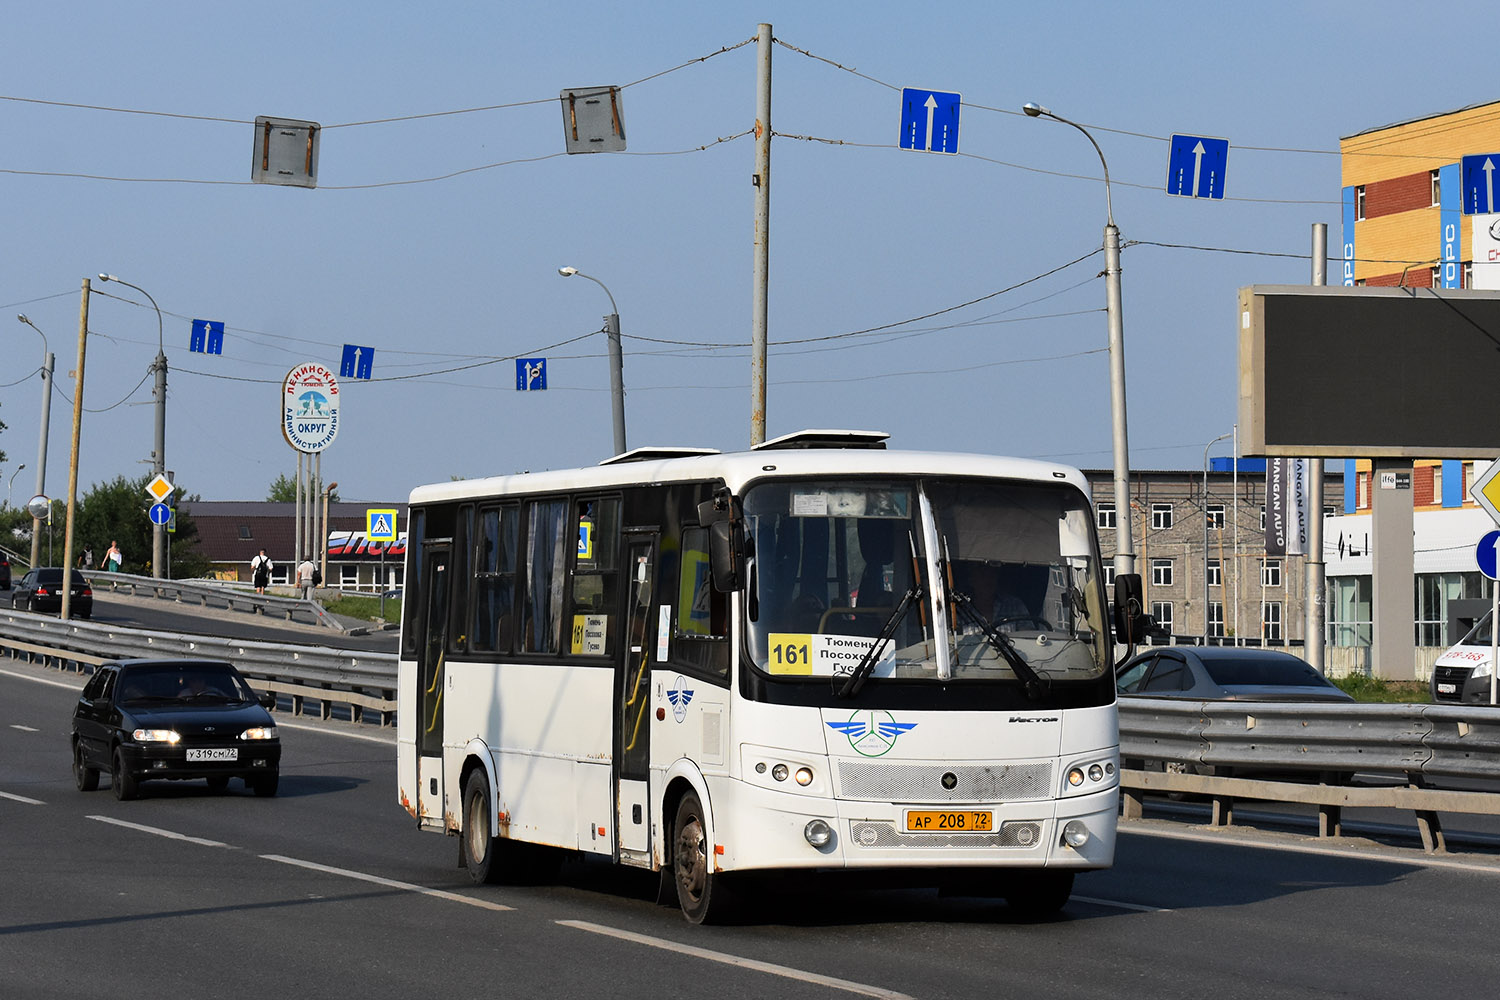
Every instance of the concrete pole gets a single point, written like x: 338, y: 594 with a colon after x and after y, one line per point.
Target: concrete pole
x: 314, y: 486
x: 297, y: 519
x: 83, y: 328
x: 1206, y: 592
x: 616, y: 378
x: 1124, y: 546
x: 1315, y: 609
x: 762, y: 238
x: 159, y: 455
x: 48, y: 363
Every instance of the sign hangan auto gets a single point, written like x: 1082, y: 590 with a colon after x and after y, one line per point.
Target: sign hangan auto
x: 310, y: 407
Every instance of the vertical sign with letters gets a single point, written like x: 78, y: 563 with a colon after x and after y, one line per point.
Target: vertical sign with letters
x: 1349, y: 219
x: 1451, y: 217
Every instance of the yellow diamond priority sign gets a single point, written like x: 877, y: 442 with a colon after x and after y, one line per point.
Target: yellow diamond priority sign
x: 1486, y: 491
x: 161, y: 487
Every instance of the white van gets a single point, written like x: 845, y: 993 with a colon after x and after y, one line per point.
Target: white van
x: 1462, y: 674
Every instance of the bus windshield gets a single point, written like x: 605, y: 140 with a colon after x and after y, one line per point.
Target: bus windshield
x: 973, y: 580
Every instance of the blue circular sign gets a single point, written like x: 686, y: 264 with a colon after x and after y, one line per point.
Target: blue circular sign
x: 161, y: 514
x: 1484, y: 554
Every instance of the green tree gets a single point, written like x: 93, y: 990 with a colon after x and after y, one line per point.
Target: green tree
x: 284, y: 490
x: 118, y: 511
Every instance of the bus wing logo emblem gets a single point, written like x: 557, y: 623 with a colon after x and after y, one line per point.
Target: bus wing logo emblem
x: 872, y: 734
x: 679, y: 694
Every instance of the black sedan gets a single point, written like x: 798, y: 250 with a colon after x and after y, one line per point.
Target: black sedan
x: 41, y: 590
x: 175, y: 719
x: 1224, y: 673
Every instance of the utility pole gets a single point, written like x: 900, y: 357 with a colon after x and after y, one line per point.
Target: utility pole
x: 83, y: 329
x: 762, y: 182
x: 1315, y: 609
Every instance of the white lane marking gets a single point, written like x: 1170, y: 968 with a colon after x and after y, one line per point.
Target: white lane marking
x: 785, y: 972
x: 159, y: 832
x: 1117, y: 904
x: 22, y: 798
x: 453, y: 897
x: 43, y: 680
x: 1350, y: 854
x: 25, y: 729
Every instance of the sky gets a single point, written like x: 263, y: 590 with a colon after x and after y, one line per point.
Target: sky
x: 954, y: 301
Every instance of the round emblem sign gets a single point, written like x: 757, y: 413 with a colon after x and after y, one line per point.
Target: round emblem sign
x: 310, y: 407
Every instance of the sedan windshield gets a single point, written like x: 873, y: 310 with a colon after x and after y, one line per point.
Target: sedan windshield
x: 196, y: 682
x: 1000, y: 578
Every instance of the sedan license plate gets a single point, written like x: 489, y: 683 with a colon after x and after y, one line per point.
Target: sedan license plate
x: 1447, y: 689
x: 195, y: 754
x: 949, y: 821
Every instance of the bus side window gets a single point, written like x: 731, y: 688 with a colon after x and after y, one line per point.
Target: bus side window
x: 496, y: 545
x: 701, y: 622
x: 593, y: 622
x: 546, y: 567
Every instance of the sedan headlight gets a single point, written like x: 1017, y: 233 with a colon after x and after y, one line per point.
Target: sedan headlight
x: 156, y: 736
x: 259, y: 733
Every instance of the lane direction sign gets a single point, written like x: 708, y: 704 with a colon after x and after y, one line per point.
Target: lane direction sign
x: 531, y: 373
x: 929, y: 120
x: 1477, y: 178
x: 207, y: 337
x: 357, y: 361
x: 1484, y: 554
x: 160, y: 513
x: 1196, y: 165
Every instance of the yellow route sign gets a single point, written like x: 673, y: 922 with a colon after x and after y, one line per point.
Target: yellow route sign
x: 1486, y: 491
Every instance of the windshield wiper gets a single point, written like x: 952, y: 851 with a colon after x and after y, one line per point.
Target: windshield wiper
x: 866, y: 665
x: 1032, y: 681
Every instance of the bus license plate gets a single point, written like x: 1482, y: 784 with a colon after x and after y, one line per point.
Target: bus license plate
x: 212, y: 753
x: 949, y: 821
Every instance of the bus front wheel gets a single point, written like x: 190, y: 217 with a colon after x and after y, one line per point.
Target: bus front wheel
x: 705, y: 896
x: 479, y: 850
x: 1038, y: 895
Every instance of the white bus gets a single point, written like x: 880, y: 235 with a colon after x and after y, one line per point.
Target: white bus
x: 818, y: 654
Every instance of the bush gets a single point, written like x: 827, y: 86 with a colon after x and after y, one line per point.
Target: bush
x: 1378, y: 689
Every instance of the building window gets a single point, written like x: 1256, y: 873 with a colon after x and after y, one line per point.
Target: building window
x: 1262, y: 517
x: 1437, y: 484
x: 1215, y: 515
x: 245, y: 535
x: 1437, y: 198
x: 1359, y: 203
x: 1270, y: 621
x: 1161, y: 516
x: 1161, y: 572
x: 1349, y: 606
x: 1215, y: 575
x: 1109, y: 577
x: 1467, y: 278
x: 1104, y: 513
x: 1162, y: 612
x: 1270, y: 572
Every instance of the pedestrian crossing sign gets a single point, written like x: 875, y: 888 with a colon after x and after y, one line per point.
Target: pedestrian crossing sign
x: 380, y: 524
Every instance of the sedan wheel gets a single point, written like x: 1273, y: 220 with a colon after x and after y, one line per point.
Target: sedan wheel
x: 124, y: 785
x: 87, y: 778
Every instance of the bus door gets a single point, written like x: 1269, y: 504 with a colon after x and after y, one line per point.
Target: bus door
x: 633, y: 693
x: 434, y: 625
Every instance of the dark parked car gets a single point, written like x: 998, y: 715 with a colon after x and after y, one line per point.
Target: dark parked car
x: 176, y: 719
x: 1224, y: 673
x: 41, y: 590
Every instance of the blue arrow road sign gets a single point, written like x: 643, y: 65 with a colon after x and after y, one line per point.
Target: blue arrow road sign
x: 357, y: 361
x: 1477, y: 175
x: 207, y: 337
x: 1196, y: 166
x: 929, y: 120
x: 160, y: 513
x: 531, y: 373
x: 1484, y: 554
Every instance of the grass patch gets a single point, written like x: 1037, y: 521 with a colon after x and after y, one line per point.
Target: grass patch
x: 365, y: 608
x: 1378, y: 689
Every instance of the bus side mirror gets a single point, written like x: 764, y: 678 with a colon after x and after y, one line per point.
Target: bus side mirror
x: 1130, y: 617
x: 726, y: 555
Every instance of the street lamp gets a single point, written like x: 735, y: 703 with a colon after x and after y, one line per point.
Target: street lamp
x: 1124, y: 547
x: 616, y: 362
x: 41, y: 449
x: 8, y: 495
x: 322, y: 542
x: 159, y: 453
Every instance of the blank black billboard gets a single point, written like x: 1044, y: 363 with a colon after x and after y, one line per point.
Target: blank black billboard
x: 1351, y: 372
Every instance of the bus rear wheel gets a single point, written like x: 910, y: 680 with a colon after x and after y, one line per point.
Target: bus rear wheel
x: 477, y: 849
x: 706, y: 896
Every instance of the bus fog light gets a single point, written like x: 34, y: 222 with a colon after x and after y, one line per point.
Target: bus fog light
x: 1075, y: 834
x: 779, y: 772
x: 804, y: 776
x: 1096, y: 773
x: 1075, y: 777
x: 817, y: 832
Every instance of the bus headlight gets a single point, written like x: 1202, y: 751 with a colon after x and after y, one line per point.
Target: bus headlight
x: 818, y: 833
x: 1075, y: 833
x: 804, y: 776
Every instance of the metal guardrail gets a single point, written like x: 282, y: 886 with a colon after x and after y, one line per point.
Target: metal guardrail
x: 214, y: 594
x: 1204, y: 745
x: 320, y: 674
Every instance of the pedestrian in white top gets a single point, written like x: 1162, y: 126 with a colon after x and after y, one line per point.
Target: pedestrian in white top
x: 305, y: 578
